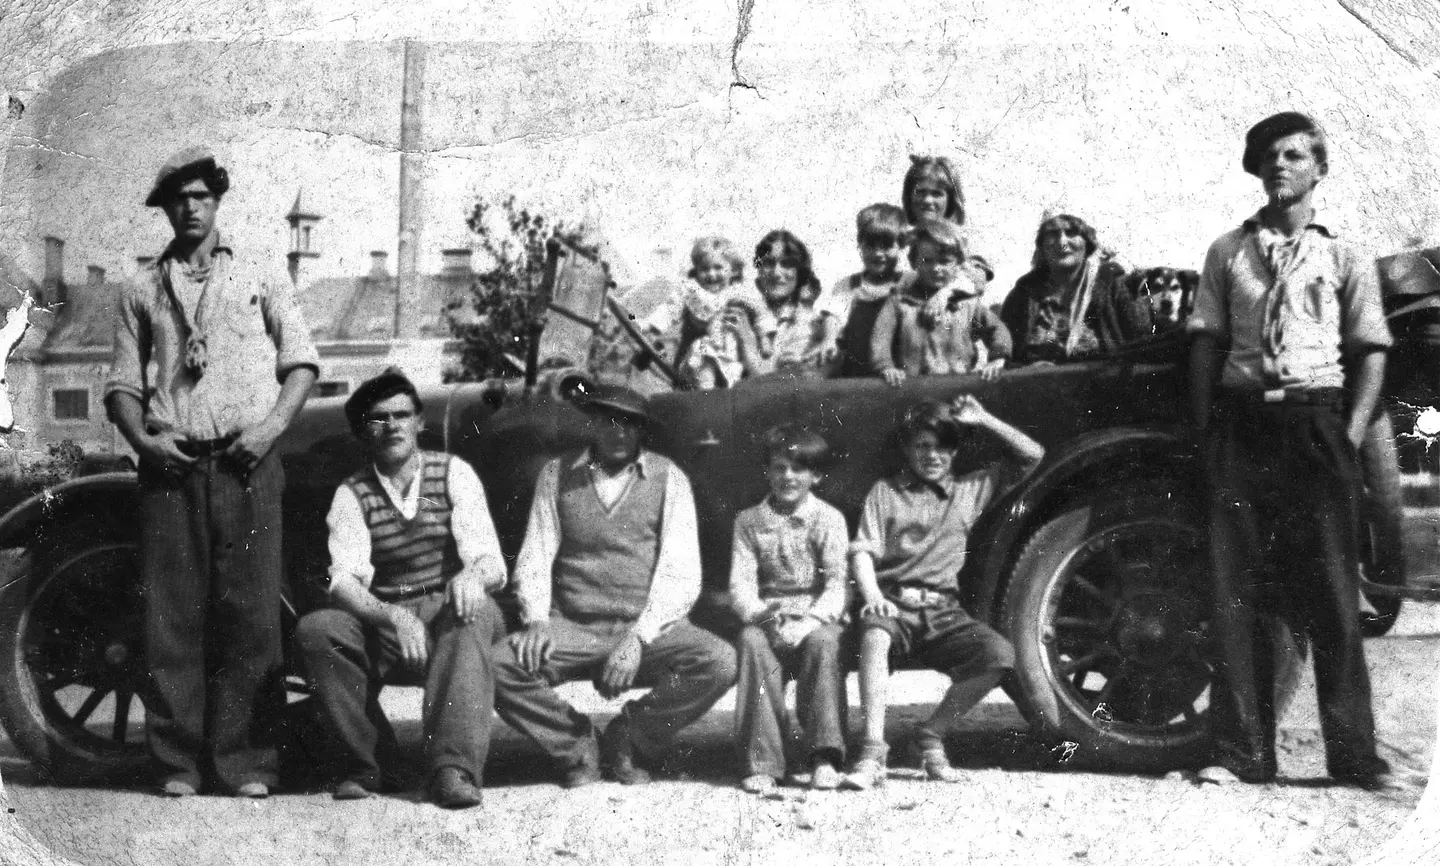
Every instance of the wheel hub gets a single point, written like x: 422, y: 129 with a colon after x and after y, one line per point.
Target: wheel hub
x: 1152, y: 628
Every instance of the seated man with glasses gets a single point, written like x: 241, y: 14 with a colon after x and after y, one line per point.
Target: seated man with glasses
x: 413, y: 560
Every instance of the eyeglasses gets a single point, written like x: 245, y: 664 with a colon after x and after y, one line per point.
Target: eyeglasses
x: 379, y: 420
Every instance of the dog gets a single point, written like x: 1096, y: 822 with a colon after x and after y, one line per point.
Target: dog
x: 1170, y: 293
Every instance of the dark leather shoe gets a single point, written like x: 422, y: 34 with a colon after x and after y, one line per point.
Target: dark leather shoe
x: 617, y: 753
x: 451, y: 788
x: 580, y: 775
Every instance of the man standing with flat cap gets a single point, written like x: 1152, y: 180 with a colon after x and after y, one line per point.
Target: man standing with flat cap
x: 413, y: 560
x: 1286, y: 363
x: 212, y: 361
x: 608, y: 572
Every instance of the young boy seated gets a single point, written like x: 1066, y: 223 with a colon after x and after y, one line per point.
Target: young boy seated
x: 788, y: 584
x: 848, y: 311
x: 908, y: 340
x: 906, y: 558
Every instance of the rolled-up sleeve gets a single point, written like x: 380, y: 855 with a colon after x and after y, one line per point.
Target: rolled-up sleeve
x: 132, y: 348
x: 676, y: 585
x: 286, y: 326
x: 535, y: 565
x: 470, y: 523
x: 1211, y: 314
x: 349, y: 539
x: 870, y: 535
x: 1363, y: 326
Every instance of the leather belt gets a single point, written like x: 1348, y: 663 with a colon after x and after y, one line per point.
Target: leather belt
x: 922, y: 598
x: 409, y: 590
x: 204, y: 447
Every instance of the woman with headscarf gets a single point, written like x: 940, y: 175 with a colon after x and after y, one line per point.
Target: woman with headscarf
x: 1073, y: 304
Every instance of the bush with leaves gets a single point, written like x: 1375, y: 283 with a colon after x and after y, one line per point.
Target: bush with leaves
x: 506, y: 306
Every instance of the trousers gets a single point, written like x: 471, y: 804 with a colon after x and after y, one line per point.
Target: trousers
x: 762, y: 723
x: 211, y: 574
x: 687, y: 668
x: 348, y: 661
x: 1283, y: 486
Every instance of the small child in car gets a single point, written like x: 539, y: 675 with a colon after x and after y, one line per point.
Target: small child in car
x: 910, y: 340
x: 788, y: 585
x: 849, y: 309
x: 907, y: 554
x: 709, y: 354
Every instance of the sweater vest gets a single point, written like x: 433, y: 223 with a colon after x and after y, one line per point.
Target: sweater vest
x: 606, y: 559
x: 419, y: 550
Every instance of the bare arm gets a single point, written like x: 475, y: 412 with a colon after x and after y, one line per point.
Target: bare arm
x: 1026, y: 451
x: 1369, y: 377
x: 159, y: 448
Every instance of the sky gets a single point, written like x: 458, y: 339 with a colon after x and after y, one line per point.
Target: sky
x: 1131, y: 116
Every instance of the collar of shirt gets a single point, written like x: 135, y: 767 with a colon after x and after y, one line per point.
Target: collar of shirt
x: 942, y: 489
x: 1253, y: 223
x: 800, y: 516
x: 407, y: 501
x: 168, y: 254
x: 640, y: 465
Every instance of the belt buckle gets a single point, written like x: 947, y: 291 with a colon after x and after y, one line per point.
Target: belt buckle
x: 912, y: 595
x: 1275, y: 395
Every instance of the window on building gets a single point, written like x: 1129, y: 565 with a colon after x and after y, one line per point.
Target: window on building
x: 332, y: 389
x: 72, y: 404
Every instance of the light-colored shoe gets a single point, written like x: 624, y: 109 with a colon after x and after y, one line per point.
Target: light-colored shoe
x: 253, y: 791
x: 178, y: 788
x: 757, y: 784
x: 1218, y: 775
x: 825, y: 777
x: 351, y: 789
x: 865, y: 774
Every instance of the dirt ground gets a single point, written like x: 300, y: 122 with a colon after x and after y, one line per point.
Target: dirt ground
x: 1018, y: 804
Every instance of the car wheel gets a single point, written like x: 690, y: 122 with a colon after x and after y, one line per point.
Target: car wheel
x: 73, y: 679
x: 1108, y: 611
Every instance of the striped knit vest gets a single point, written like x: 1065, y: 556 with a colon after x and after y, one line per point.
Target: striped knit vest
x: 606, y: 560
x: 406, y: 552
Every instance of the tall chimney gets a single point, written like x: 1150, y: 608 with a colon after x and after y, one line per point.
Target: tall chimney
x: 52, y: 289
x: 143, y: 263
x: 378, y: 270
x: 94, y: 277
x: 412, y: 179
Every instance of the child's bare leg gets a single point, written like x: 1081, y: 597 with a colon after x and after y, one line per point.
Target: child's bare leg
x: 960, y: 698
x: 869, y: 768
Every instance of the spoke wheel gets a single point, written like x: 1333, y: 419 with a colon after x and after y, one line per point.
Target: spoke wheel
x: 1108, y: 611
x: 72, y: 660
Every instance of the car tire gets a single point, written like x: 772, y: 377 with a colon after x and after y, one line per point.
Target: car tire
x: 73, y: 679
x: 1107, y: 608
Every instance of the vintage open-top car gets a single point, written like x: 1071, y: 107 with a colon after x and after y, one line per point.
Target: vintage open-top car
x: 1093, y: 565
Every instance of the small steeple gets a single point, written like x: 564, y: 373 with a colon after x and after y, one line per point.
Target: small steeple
x: 302, y: 245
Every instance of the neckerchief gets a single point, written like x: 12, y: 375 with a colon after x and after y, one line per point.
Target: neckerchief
x: 197, y: 356
x: 1282, y: 257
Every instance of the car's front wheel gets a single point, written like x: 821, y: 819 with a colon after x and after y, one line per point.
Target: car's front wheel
x: 1108, y: 610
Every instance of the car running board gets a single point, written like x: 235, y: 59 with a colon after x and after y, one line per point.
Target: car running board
x: 1424, y: 588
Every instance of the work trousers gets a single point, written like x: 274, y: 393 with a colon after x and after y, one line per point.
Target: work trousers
x: 686, y: 667
x: 1384, y: 500
x: 763, y: 725
x: 211, y: 570
x: 348, y: 661
x: 1283, y: 486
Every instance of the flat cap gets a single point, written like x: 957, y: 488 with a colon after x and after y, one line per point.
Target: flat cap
x: 391, y: 382
x: 614, y: 399
x: 1276, y: 126
x: 192, y: 162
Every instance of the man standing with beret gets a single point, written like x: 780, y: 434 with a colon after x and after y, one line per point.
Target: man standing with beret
x: 212, y: 361
x: 608, y: 572
x: 1286, y: 363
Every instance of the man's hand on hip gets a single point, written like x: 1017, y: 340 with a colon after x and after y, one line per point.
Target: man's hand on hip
x: 254, y: 443
x: 532, y: 646
x: 161, y: 450
x: 620, y: 668
x: 411, y: 635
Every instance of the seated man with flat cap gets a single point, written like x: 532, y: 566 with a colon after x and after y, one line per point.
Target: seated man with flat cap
x: 413, y: 559
x: 608, y: 572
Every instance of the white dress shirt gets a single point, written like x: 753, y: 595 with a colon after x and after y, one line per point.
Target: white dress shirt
x: 675, y: 585
x: 470, y: 525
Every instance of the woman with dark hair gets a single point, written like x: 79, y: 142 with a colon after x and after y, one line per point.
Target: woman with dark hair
x: 1073, y: 304
x: 784, y: 275
x: 932, y: 189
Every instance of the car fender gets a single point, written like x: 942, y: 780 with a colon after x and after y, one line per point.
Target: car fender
x: 24, y: 523
x: 1105, y: 458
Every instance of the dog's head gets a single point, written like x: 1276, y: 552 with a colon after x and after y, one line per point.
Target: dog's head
x: 1168, y: 295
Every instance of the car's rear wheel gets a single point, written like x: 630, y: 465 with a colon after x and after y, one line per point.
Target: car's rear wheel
x: 1108, y: 611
